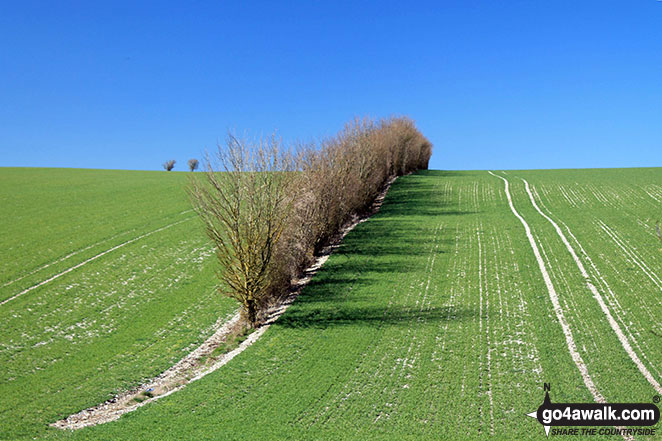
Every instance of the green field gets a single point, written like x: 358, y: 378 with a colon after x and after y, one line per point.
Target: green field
x: 431, y: 321
x: 106, y: 325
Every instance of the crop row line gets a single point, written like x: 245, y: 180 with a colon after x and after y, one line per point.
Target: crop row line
x: 611, y: 296
x: 85, y: 262
x: 570, y: 341
x: 637, y: 261
x: 605, y: 309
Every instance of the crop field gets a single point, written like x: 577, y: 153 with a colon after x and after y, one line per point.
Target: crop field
x: 106, y: 278
x: 439, y: 318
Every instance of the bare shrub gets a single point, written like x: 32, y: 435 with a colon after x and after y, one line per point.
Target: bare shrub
x: 272, y: 209
x: 244, y: 210
x: 169, y: 164
x: 345, y: 173
x: 193, y: 164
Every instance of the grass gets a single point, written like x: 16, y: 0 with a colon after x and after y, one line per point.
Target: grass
x: 431, y: 321
x: 50, y: 213
x: 612, y: 214
x: 113, y: 322
x: 232, y: 341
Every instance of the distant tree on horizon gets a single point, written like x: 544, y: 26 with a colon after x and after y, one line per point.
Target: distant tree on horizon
x: 169, y: 164
x: 193, y: 164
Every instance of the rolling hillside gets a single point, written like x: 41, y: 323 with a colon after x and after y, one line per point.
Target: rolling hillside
x: 439, y: 318
x: 106, y: 279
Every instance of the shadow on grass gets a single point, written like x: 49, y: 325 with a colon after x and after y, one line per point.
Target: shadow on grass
x: 379, y: 240
x: 376, y: 255
x: 416, y: 195
x: 445, y: 173
x: 368, y: 316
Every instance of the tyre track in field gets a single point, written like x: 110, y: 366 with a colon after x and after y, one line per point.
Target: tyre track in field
x: 191, y: 368
x: 570, y: 341
x: 73, y: 253
x: 85, y: 262
x: 596, y: 294
x: 62, y: 259
x: 612, y: 298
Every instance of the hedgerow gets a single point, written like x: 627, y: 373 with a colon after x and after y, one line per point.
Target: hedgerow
x: 273, y: 207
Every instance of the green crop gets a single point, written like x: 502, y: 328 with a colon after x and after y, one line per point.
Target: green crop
x: 431, y: 321
x: 109, y: 324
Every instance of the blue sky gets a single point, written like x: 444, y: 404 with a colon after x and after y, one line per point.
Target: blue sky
x: 493, y: 84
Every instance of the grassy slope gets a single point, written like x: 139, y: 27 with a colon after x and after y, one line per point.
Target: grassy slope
x: 625, y: 201
x: 103, y: 327
x: 51, y: 213
x: 430, y: 322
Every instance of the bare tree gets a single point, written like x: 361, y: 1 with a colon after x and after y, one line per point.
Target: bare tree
x: 169, y: 164
x: 244, y: 210
x: 193, y: 164
x: 269, y: 212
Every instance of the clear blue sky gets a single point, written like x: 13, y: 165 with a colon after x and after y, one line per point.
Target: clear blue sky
x: 493, y: 84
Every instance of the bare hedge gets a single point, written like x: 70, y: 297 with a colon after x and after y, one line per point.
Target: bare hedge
x: 273, y: 207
